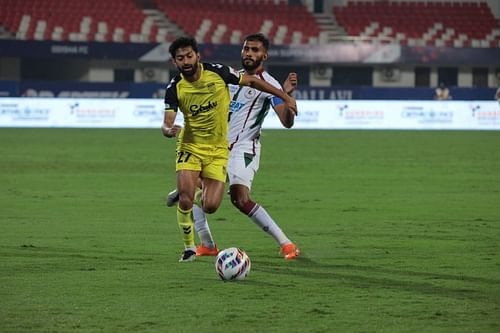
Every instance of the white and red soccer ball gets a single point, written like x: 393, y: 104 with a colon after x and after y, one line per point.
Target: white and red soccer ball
x: 232, y: 264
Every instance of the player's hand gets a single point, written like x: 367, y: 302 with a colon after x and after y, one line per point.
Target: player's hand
x: 290, y: 83
x: 291, y: 105
x: 170, y: 132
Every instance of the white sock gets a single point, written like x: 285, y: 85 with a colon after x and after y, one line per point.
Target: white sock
x: 201, y: 227
x: 265, y: 221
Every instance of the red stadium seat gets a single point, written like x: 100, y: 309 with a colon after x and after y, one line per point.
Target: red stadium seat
x: 71, y: 18
x: 237, y: 17
x: 472, y: 19
x: 228, y: 21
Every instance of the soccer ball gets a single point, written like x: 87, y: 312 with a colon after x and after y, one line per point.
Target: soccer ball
x: 232, y: 264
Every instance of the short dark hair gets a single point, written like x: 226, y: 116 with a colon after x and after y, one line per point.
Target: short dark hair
x: 258, y: 37
x: 182, y: 42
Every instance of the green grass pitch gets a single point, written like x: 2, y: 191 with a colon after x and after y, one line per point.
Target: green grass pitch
x: 399, y: 231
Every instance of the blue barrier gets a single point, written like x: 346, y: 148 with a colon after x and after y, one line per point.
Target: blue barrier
x: 9, y: 89
x: 404, y: 93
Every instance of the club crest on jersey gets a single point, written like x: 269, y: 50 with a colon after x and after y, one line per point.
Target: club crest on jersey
x: 195, y: 108
x: 250, y: 93
x: 211, y: 87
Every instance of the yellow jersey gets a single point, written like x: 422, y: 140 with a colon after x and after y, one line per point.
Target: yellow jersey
x: 204, y: 103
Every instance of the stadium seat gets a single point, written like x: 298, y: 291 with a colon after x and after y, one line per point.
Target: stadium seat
x: 81, y: 20
x: 455, y: 24
x: 228, y: 21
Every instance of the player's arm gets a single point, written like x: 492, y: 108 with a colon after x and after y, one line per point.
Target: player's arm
x: 254, y: 82
x: 286, y: 116
x: 230, y: 76
x: 169, y: 129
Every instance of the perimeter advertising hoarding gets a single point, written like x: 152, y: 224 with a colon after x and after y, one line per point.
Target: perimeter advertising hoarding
x: 340, y: 114
x: 395, y: 115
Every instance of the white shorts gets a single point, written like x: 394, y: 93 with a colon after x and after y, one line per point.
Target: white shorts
x: 243, y: 163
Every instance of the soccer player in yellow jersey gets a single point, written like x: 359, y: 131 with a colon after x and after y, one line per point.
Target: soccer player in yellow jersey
x: 200, y: 91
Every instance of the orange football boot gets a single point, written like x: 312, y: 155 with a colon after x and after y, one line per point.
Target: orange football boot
x: 290, y: 251
x: 202, y: 250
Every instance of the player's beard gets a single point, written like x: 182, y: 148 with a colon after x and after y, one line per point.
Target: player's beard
x: 250, y: 64
x: 188, y: 70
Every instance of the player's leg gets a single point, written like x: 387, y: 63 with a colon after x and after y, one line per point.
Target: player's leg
x: 213, y: 177
x: 242, y: 168
x: 188, y: 167
x: 201, y: 227
x: 172, y: 198
x: 210, y: 198
x: 186, y: 185
x: 207, y: 246
x: 213, y: 192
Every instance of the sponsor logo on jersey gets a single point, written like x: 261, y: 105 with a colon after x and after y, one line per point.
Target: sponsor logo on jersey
x: 195, y: 109
x: 235, y: 106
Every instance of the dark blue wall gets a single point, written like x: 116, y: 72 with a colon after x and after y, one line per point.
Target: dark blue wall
x: 155, y: 90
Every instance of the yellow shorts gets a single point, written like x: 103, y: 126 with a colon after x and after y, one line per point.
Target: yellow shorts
x: 210, y: 160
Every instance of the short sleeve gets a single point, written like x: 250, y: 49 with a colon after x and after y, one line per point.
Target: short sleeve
x: 171, y: 100
x: 275, y: 101
x: 227, y: 73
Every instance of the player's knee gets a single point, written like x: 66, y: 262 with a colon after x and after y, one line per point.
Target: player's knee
x: 185, y: 202
x: 210, y: 208
x: 245, y: 206
x: 236, y: 202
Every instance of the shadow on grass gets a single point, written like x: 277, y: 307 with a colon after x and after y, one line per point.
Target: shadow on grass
x: 373, y: 277
x: 304, y: 267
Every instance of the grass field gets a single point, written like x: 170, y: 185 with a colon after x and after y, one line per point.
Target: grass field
x: 400, y: 232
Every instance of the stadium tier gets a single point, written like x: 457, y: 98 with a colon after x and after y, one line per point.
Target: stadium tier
x: 227, y: 22
x: 215, y: 21
x: 412, y: 23
x: 421, y: 23
x: 93, y: 20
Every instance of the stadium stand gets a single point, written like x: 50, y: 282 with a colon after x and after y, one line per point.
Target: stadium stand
x: 92, y: 20
x: 421, y: 23
x: 227, y: 22
x: 216, y: 21
x: 412, y: 23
